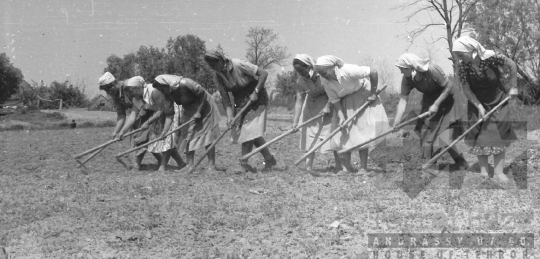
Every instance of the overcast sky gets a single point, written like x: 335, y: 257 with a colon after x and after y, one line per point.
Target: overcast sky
x: 70, y: 39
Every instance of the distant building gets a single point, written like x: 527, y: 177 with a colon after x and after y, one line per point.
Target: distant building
x: 101, y: 102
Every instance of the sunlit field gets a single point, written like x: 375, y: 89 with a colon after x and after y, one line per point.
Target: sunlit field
x: 51, y: 209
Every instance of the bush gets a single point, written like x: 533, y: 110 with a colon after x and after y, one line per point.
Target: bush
x: 71, y: 96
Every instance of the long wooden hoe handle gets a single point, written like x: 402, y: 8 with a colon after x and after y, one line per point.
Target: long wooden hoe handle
x: 425, y: 114
x: 430, y: 162
x: 119, y: 155
x: 98, y: 149
x: 104, y: 145
x: 244, y: 109
x: 81, y: 163
x: 361, y: 109
x: 245, y: 157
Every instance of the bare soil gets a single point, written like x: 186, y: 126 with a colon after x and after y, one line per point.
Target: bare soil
x: 51, y: 209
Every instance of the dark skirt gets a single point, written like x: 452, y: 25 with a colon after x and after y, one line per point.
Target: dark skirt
x: 496, y: 131
x: 439, y: 130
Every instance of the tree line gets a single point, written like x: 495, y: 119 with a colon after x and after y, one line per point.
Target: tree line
x: 184, y: 56
x: 12, y: 82
x: 508, y: 27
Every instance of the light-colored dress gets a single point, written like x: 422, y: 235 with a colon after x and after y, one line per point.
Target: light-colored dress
x: 315, y: 100
x: 240, y: 79
x: 168, y: 108
x: 122, y: 98
x: 198, y: 133
x: 352, y: 93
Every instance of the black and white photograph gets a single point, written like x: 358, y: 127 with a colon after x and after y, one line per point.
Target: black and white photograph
x: 238, y: 129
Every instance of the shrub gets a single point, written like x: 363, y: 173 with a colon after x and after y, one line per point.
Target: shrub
x: 71, y: 95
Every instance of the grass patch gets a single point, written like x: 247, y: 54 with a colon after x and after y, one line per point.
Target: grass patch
x: 34, y: 117
x: 25, y: 119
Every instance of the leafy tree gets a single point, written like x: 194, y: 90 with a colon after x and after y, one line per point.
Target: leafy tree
x: 285, y: 83
x: 512, y: 28
x: 186, y: 58
x: 71, y: 96
x: 150, y: 62
x: 10, y: 78
x: 183, y: 56
x: 262, y: 50
x: 118, y: 66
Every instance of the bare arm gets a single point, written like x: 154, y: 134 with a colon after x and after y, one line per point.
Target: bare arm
x: 262, y: 74
x: 402, y: 105
x: 298, y: 107
x: 120, y: 116
x: 472, y: 98
x: 226, y: 101
x: 510, y: 64
x: 470, y: 95
x: 167, y: 126
x: 374, y: 80
x: 403, y: 100
x: 202, y: 98
x: 447, y: 89
x: 129, y: 122
x: 152, y: 119
x: 167, y: 110
x: 120, y: 119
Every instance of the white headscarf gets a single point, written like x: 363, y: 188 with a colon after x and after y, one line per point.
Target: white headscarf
x: 136, y: 81
x: 306, y: 59
x: 171, y: 80
x: 329, y: 60
x: 106, y: 79
x: 468, y: 44
x: 409, y: 60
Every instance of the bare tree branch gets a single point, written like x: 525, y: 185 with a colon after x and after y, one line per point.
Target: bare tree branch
x: 261, y: 49
x: 438, y: 8
x: 451, y: 15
